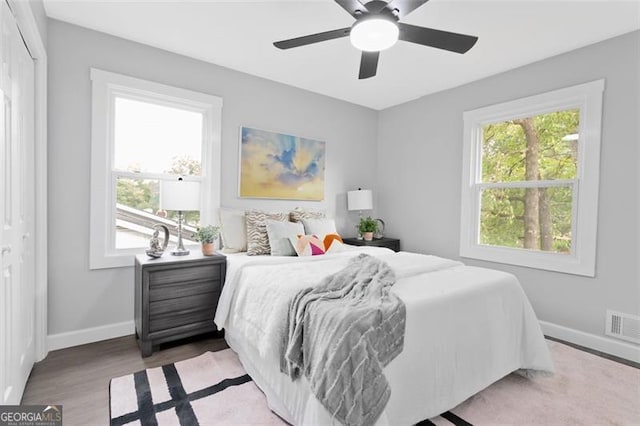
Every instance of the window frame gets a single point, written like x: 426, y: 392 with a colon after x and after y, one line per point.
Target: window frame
x: 582, y: 258
x: 106, y: 86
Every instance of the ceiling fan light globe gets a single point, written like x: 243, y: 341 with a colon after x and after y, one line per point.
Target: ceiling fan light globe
x: 374, y: 35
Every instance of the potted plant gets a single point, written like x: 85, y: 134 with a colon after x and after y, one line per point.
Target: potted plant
x: 367, y: 227
x: 207, y: 236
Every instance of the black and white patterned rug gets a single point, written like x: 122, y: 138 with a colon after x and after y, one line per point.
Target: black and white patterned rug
x: 183, y: 394
x: 211, y: 389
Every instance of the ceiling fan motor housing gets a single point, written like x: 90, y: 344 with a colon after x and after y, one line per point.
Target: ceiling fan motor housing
x: 379, y: 7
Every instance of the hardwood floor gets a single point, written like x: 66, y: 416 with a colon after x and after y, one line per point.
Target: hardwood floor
x: 78, y: 377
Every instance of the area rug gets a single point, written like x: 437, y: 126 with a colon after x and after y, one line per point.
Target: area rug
x: 214, y: 389
x: 210, y: 389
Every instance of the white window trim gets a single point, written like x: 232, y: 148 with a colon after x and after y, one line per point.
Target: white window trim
x: 582, y: 259
x: 105, y: 86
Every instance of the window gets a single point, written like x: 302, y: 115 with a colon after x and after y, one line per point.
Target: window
x: 144, y: 133
x: 530, y: 180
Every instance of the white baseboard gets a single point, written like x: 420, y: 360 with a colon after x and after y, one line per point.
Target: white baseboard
x: 89, y: 335
x: 628, y: 351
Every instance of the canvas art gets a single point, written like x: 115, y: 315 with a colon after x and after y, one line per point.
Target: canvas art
x: 275, y: 165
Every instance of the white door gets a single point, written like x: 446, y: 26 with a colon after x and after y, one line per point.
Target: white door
x: 17, y: 296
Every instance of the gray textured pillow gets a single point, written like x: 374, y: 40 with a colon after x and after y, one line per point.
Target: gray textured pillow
x: 279, y: 234
x: 257, y: 238
x: 319, y: 227
x: 298, y: 214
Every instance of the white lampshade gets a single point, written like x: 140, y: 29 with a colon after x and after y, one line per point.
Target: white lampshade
x: 374, y: 35
x: 362, y: 199
x: 180, y: 195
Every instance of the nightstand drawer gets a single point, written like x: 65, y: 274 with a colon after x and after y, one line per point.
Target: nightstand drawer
x: 188, y: 303
x: 194, y: 273
x: 182, y: 289
x: 175, y: 320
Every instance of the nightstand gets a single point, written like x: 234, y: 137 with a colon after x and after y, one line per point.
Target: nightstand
x: 391, y: 243
x: 176, y: 297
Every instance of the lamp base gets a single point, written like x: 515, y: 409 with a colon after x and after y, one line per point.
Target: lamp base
x: 180, y: 252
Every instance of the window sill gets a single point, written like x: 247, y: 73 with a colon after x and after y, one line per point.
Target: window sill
x: 565, y: 263
x: 112, y: 261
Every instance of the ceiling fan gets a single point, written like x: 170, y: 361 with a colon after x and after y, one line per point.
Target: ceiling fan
x: 377, y: 28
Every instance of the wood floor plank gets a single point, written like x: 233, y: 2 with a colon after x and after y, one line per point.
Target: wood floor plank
x: 78, y: 377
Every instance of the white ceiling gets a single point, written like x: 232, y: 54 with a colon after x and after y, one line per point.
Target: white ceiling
x: 239, y: 34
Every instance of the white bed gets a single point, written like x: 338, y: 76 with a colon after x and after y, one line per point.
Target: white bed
x: 466, y: 327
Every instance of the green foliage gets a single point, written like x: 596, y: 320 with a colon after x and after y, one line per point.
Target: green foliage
x: 185, y: 166
x: 207, y: 234
x: 504, y: 148
x: 144, y: 194
x: 504, y: 152
x: 137, y: 193
x: 367, y: 224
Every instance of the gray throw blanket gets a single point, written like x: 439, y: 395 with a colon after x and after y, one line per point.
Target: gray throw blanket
x: 341, y: 334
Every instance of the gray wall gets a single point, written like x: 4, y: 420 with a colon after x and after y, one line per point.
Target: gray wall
x: 80, y: 298
x: 419, y: 177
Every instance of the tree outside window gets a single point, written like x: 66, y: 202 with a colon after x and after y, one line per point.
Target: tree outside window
x: 533, y: 149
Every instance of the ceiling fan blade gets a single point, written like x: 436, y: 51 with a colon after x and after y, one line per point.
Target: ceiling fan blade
x: 313, y: 38
x: 351, y: 6
x: 368, y: 64
x: 405, y: 7
x: 454, y: 42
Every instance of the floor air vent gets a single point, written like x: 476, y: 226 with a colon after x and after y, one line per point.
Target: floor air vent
x: 623, y: 326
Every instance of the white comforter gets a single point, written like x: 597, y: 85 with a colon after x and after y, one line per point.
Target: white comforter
x: 466, y: 328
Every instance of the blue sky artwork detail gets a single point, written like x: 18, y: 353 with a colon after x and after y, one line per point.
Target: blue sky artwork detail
x: 275, y: 165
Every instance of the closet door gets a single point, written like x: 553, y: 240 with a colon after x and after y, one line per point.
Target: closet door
x: 17, y: 282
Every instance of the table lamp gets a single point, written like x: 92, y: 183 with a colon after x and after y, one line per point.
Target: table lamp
x: 180, y: 196
x: 361, y: 199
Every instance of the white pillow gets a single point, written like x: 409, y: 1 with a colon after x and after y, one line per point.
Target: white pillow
x: 233, y: 229
x: 279, y: 234
x: 319, y: 227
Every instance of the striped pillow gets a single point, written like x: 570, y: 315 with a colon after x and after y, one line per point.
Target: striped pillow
x: 297, y: 214
x: 257, y: 238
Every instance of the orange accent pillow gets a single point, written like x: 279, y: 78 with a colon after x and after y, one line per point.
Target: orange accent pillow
x: 333, y: 243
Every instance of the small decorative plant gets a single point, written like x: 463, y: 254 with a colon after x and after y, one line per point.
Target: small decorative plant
x: 207, y: 234
x: 367, y: 224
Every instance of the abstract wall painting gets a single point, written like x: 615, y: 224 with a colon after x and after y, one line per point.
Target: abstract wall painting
x: 279, y: 166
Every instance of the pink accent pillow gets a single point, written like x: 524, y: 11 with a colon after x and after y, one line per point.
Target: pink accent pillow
x: 307, y: 245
